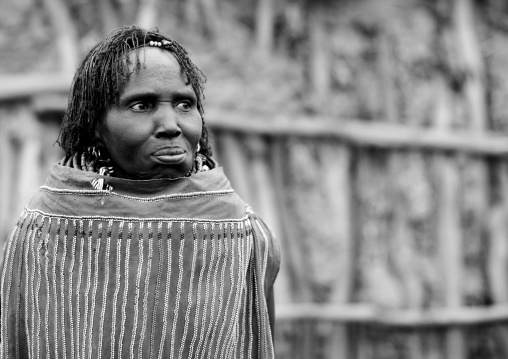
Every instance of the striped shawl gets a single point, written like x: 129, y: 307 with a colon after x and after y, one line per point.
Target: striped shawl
x: 153, y: 269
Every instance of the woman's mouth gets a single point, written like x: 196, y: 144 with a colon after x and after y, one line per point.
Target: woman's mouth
x: 170, y: 155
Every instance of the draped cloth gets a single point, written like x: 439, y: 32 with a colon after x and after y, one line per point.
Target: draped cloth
x: 165, y: 268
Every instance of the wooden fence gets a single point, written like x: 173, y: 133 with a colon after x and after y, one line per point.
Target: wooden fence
x: 394, y: 293
x: 394, y: 239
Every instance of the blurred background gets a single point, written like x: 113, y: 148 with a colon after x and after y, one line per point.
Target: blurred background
x: 371, y: 135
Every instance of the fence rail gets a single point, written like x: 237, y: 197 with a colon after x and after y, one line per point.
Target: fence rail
x: 364, y: 313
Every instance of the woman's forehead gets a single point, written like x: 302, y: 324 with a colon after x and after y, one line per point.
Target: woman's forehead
x: 158, y: 69
x: 148, y: 57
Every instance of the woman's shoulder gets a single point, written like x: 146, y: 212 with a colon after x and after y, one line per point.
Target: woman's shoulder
x: 268, y: 246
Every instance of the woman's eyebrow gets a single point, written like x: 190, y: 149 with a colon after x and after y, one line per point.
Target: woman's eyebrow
x: 187, y: 92
x: 150, y: 94
x: 137, y: 94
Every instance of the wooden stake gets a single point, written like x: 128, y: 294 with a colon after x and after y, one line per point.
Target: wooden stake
x: 30, y: 151
x: 293, y: 254
x: 319, y: 66
x: 264, y: 26
x: 66, y: 35
x: 235, y: 160
x: 471, y: 57
x: 450, y: 246
x: 267, y: 203
x: 6, y: 182
x: 148, y: 13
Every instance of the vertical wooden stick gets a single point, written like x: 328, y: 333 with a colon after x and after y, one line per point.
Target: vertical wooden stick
x: 191, y: 12
x: 6, y: 182
x: 209, y: 17
x: 235, y: 160
x: 30, y: 152
x: 267, y: 205
x: 337, y: 185
x: 471, y: 56
x: 497, y: 265
x: 264, y: 26
x: 213, y: 140
x: 108, y: 15
x: 450, y: 247
x: 51, y: 153
x: 148, y: 13
x: 67, y: 38
x: 386, y: 71
x: 293, y: 256
x: 319, y: 66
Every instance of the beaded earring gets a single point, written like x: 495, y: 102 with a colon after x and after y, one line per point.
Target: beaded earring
x: 98, y: 162
x: 101, y: 164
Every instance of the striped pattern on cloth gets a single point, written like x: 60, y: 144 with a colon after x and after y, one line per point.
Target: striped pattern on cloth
x: 154, y: 285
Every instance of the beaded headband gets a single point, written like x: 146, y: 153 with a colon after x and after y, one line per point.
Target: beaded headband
x: 163, y: 43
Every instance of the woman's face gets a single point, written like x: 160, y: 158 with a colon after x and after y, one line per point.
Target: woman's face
x: 154, y: 128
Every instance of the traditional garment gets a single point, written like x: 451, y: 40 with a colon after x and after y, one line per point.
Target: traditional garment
x: 165, y: 268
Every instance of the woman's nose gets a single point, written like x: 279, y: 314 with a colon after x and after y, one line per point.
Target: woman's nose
x: 166, y: 120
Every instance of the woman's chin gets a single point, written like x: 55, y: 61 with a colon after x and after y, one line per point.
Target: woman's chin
x: 172, y: 170
x: 161, y: 169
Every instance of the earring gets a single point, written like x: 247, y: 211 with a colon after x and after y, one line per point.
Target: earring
x: 98, y: 163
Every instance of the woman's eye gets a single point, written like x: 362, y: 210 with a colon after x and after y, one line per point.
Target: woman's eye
x: 142, y: 106
x: 184, y: 106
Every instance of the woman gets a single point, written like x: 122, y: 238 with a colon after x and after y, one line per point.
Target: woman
x: 137, y: 246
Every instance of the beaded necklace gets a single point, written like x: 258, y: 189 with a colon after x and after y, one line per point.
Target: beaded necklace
x: 92, y: 161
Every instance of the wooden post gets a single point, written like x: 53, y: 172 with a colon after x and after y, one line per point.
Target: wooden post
x: 470, y: 56
x: 209, y: 17
x: 319, y: 61
x: 51, y: 152
x: 66, y: 36
x: 191, y: 13
x: 267, y: 204
x: 450, y: 241
x: 6, y: 180
x: 497, y: 265
x: 467, y: 54
x: 29, y: 164
x: 108, y: 15
x: 264, y: 26
x: 387, y: 81
x: 148, y: 13
x: 213, y: 140
x: 235, y: 166
x: 403, y: 248
x: 290, y: 247
x: 337, y: 184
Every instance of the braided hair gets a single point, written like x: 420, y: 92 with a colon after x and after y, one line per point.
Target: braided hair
x: 98, y: 79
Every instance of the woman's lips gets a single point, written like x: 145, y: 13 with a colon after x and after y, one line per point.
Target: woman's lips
x: 170, y: 155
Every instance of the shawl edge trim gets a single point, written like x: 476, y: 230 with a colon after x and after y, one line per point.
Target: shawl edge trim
x: 136, y: 219
x: 141, y: 199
